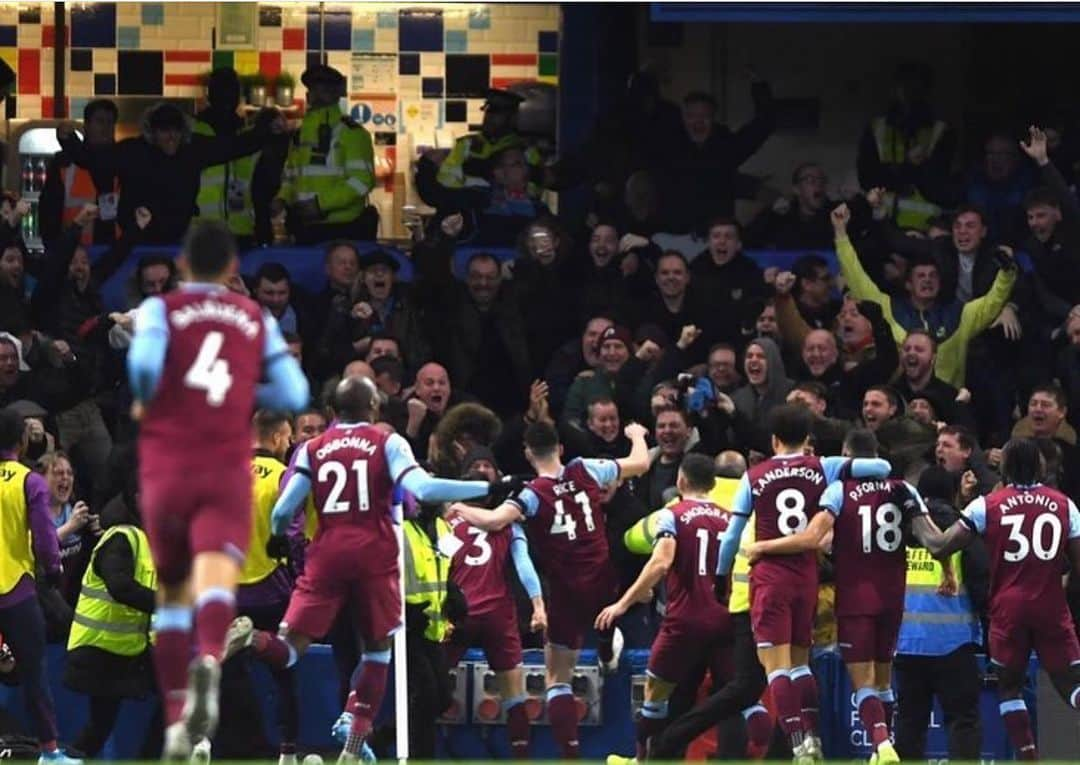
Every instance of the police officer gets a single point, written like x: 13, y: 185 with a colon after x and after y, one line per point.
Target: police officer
x: 935, y: 653
x: 225, y: 189
x: 471, y: 161
x: 330, y: 169
x: 27, y: 534
x: 109, y: 646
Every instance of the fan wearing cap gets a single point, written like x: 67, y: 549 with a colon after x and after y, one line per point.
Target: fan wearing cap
x: 160, y: 169
x: 330, y: 170
x: 378, y: 305
x: 622, y: 366
x: 471, y: 161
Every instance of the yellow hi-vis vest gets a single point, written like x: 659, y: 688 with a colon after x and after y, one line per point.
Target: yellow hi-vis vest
x: 266, y: 475
x: 101, y: 622
x: 225, y: 190
x: 473, y: 152
x: 17, y: 558
x: 640, y: 537
x: 935, y: 625
x: 426, y: 572
x: 911, y: 209
x: 342, y: 177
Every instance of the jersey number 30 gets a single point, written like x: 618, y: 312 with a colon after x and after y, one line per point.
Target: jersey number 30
x: 209, y: 372
x: 1038, y: 533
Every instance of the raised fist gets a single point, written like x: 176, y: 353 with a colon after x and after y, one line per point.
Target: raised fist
x: 688, y: 336
x: 784, y: 283
x: 143, y: 216
x: 840, y: 217
x: 417, y: 409
x: 452, y: 225
x: 635, y: 430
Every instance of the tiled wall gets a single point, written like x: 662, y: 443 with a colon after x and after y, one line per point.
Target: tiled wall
x: 422, y: 66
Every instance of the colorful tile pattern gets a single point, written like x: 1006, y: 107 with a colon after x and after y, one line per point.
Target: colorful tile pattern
x: 445, y: 55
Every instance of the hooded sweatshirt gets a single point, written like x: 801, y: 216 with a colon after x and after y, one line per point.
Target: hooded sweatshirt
x: 756, y: 406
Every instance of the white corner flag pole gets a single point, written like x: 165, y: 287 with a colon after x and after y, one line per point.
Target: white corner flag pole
x: 401, y: 671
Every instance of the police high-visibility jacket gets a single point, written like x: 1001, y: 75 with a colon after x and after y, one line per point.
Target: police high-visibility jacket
x: 935, y: 625
x: 332, y: 160
x: 102, y: 622
x: 911, y: 209
x: 225, y: 190
x: 79, y: 190
x: 640, y: 537
x: 17, y: 558
x: 426, y: 573
x: 469, y: 163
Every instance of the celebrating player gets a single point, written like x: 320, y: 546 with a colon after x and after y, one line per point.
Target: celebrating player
x: 782, y: 492
x: 478, y: 565
x: 351, y: 470
x: 696, y: 632
x: 1031, y: 532
x: 561, y: 507
x: 870, y: 565
x: 195, y: 364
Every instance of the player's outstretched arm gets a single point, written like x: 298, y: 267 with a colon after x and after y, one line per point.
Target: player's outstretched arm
x: 487, y: 520
x: 656, y: 569
x: 637, y: 462
x: 840, y: 468
x: 146, y: 355
x: 813, y: 537
x: 420, y: 483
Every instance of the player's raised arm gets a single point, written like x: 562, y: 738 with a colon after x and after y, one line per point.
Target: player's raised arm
x: 657, y: 567
x: 741, y: 508
x: 526, y: 571
x: 287, y: 387
x: 146, y: 355
x: 913, y: 510
x: 637, y: 462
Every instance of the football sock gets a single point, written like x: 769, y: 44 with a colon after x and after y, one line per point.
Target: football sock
x: 1014, y: 714
x: 214, y: 611
x: 370, y: 685
x: 653, y: 719
x: 605, y: 651
x: 172, y: 652
x: 788, y: 706
x: 872, y: 714
x: 759, y: 728
x: 806, y: 686
x: 562, y: 716
x: 273, y: 650
x: 888, y: 701
x: 517, y: 727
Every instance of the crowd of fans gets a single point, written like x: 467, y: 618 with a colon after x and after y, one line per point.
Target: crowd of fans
x: 931, y: 334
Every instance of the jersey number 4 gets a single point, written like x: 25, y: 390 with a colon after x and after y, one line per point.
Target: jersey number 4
x: 337, y: 472
x: 565, y: 523
x: 209, y: 372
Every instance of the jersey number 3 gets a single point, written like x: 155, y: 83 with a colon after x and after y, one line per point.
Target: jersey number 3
x: 209, y: 372
x: 1038, y: 533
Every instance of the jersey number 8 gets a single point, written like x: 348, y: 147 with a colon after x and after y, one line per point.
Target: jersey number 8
x: 791, y: 506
